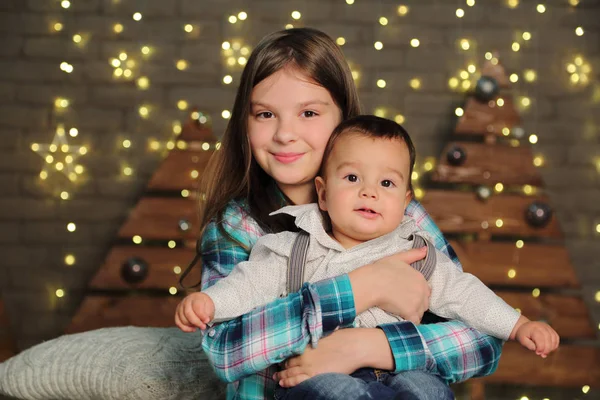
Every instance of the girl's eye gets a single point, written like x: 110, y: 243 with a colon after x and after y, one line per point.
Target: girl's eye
x: 265, y: 114
x: 387, y: 183
x: 309, y: 114
x: 352, y: 178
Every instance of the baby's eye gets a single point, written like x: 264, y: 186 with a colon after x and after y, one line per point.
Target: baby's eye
x: 309, y: 114
x: 265, y: 114
x: 387, y: 183
x: 351, y: 178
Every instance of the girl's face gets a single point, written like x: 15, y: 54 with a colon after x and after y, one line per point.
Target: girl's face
x: 290, y: 121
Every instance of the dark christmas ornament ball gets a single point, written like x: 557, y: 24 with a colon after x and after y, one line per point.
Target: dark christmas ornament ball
x: 538, y: 214
x: 456, y: 156
x: 184, y: 225
x: 486, y: 89
x: 483, y: 193
x: 134, y: 270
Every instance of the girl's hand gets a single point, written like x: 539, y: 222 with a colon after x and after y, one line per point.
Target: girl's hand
x: 335, y: 353
x: 195, y: 310
x: 393, y: 285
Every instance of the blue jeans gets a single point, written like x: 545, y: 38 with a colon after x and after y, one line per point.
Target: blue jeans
x: 367, y: 383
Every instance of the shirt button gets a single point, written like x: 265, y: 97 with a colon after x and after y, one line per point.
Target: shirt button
x: 211, y: 333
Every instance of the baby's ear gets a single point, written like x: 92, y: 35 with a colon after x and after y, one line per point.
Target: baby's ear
x: 321, y: 193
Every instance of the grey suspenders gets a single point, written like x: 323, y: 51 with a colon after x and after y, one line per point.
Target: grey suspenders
x: 295, y: 272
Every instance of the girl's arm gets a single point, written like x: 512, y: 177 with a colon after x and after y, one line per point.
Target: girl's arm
x: 278, y: 330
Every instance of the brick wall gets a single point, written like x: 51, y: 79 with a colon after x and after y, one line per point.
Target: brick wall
x: 33, y: 235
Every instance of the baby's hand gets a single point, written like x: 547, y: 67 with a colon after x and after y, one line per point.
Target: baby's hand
x: 538, y: 337
x: 195, y: 310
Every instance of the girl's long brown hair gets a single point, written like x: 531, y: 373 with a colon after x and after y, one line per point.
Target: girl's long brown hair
x: 232, y: 173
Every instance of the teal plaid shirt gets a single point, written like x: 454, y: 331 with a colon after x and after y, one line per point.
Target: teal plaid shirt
x: 245, y: 351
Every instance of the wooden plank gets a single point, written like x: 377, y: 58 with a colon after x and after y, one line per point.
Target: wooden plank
x: 484, y: 119
x: 489, y: 164
x: 158, y: 218
x: 535, y: 265
x: 463, y: 212
x: 176, y: 170
x: 569, y: 366
x: 566, y: 314
x: 161, y: 262
x: 7, y: 345
x: 137, y: 310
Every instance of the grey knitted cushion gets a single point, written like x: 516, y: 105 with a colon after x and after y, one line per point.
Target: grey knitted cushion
x: 113, y: 363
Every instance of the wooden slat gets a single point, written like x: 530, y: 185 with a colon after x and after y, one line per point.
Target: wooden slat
x: 138, y: 310
x: 158, y: 218
x: 569, y: 366
x: 175, y: 172
x: 489, y: 164
x: 481, y: 119
x: 161, y: 262
x: 463, y: 212
x: 7, y: 345
x: 536, y: 265
x: 566, y: 314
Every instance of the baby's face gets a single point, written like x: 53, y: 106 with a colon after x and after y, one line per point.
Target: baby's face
x: 365, y: 191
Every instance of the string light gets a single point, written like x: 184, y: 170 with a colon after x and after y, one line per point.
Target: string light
x: 528, y: 189
x: 381, y: 83
x: 585, y: 389
x: 378, y: 45
x: 232, y: 19
x: 470, y: 3
x: 499, y: 187
x: 340, y: 41
x: 415, y: 83
x: 242, y: 15
x: 69, y: 259
x: 226, y: 114
x: 137, y: 239
x: 66, y: 67
x: 177, y: 269
x: 58, y: 26
x: 399, y: 118
x: 181, y: 65
x: 59, y: 292
x: 526, y: 36
x: 515, y: 46
x: 143, y: 83
x: 296, y: 15
x: 65, y: 4
x: 536, y: 292
x: 137, y: 16
x: 172, y: 244
x: 118, y: 28
x: 512, y: 3
x: 514, y: 78
x: 579, y: 31
x: 533, y: 139
x: 144, y: 111
x: 460, y: 13
x: 402, y: 10
x: 415, y: 42
x: 512, y: 273
x: 189, y: 28
x: 71, y: 227
x: 383, y: 21
x: 126, y: 144
x: 464, y: 44
x: 185, y: 193
x: 541, y: 8
x: 538, y: 161
x: 349, y: 2
x: 173, y: 290
x: 77, y: 38
x: 530, y: 75
x: 227, y: 79
x: 499, y: 223
x: 459, y: 112
x: 182, y: 105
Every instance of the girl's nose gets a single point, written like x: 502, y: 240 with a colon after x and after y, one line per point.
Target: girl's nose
x: 285, y: 132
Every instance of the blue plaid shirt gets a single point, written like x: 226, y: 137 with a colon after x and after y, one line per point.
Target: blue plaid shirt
x: 245, y: 351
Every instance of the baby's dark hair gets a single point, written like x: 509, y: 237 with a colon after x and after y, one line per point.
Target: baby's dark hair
x: 373, y: 127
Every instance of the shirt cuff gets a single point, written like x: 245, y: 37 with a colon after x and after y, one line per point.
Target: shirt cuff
x: 337, y: 302
x: 407, y: 346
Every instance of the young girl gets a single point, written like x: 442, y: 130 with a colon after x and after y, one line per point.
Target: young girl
x: 294, y: 90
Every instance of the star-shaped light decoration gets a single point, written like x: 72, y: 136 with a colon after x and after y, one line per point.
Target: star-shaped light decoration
x: 60, y: 156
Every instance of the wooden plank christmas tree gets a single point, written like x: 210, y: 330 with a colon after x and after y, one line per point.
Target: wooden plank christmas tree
x: 137, y: 284
x: 487, y: 195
